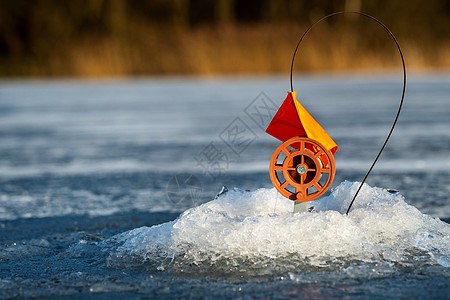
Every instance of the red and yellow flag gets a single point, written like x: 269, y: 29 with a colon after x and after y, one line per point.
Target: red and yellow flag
x: 292, y: 119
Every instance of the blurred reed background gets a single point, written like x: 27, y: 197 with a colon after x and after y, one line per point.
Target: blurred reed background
x: 206, y: 37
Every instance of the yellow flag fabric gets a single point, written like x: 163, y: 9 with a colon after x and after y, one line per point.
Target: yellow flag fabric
x: 312, y: 128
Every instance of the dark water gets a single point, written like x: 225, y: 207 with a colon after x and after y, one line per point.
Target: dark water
x: 82, y: 161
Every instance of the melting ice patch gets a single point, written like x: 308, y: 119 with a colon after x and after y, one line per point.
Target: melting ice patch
x: 257, y: 233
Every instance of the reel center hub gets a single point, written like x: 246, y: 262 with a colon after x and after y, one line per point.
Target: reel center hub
x: 301, y: 169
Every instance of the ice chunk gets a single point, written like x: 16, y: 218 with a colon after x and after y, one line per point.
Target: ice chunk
x: 257, y: 232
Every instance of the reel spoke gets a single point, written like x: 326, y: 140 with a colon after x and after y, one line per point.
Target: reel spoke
x: 318, y: 154
x: 302, y: 146
x: 318, y: 186
x: 278, y: 167
x: 286, y: 151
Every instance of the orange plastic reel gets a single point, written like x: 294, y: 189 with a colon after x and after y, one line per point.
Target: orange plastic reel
x: 302, y: 169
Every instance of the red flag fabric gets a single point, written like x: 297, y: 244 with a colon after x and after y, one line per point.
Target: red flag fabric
x: 286, y: 123
x: 292, y: 120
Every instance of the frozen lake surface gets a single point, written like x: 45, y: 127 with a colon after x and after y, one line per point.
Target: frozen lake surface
x: 84, y: 165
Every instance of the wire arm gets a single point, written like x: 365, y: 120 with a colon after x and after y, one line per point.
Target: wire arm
x: 403, y: 91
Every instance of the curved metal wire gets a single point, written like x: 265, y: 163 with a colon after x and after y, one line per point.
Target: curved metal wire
x: 403, y: 91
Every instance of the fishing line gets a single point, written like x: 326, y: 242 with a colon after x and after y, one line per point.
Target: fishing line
x: 276, y: 202
x: 403, y: 91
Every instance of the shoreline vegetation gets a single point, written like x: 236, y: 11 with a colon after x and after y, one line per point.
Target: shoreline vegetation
x: 131, y: 38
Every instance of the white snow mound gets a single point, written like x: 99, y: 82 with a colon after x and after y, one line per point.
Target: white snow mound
x: 258, y: 230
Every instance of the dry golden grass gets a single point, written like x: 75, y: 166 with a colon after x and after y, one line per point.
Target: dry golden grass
x: 229, y: 50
